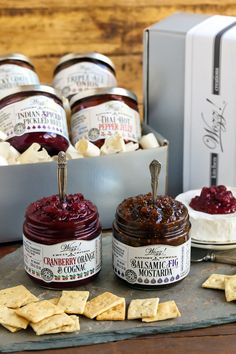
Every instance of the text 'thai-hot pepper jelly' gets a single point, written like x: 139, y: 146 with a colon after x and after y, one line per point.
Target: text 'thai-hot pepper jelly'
x: 151, y: 243
x: 62, y: 241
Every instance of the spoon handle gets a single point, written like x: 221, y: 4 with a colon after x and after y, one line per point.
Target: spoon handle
x: 155, y: 169
x: 62, y: 175
x: 224, y: 259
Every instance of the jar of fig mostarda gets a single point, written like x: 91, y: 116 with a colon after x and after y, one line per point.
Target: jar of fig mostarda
x: 151, y: 243
x: 62, y: 241
x: 16, y: 70
x: 100, y: 113
x: 30, y: 114
x: 80, y: 72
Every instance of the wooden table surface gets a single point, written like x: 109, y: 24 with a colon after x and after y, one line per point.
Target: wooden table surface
x: 216, y: 339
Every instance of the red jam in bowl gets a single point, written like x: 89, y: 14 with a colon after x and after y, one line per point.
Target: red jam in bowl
x: 214, y: 200
x: 62, y: 241
x: 151, y: 243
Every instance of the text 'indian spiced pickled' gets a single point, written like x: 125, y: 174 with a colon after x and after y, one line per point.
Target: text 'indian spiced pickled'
x: 81, y: 72
x: 62, y: 238
x: 151, y: 243
x: 100, y: 113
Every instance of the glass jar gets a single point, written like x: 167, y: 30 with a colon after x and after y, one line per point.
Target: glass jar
x: 151, y: 242
x: 16, y: 70
x: 80, y: 72
x: 100, y: 113
x: 30, y: 114
x: 62, y: 241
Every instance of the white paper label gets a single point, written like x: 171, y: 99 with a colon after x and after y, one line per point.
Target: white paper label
x: 210, y: 105
x: 14, y: 75
x: 81, y: 77
x: 63, y: 262
x: 151, y: 265
x: 104, y: 120
x: 33, y: 114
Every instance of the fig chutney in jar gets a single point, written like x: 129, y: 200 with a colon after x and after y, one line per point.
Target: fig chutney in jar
x: 34, y: 114
x: 80, y: 72
x: 100, y: 113
x: 16, y: 70
x: 62, y: 241
x: 151, y: 243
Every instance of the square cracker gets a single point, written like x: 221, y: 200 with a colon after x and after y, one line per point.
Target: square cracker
x: 16, y: 296
x: 101, y: 303
x: 52, y: 323
x: 216, y: 281
x: 10, y: 318
x: 230, y: 288
x: 12, y: 329
x: 73, y: 301
x: 54, y: 300
x: 67, y: 328
x: 116, y: 313
x: 37, y: 311
x: 140, y: 308
x: 166, y: 310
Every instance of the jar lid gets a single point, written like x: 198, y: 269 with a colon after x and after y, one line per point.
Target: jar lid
x: 101, y: 92
x: 91, y: 55
x: 16, y: 56
x: 31, y: 88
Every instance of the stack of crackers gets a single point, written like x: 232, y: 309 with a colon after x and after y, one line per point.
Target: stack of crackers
x: 20, y: 308
x: 222, y: 282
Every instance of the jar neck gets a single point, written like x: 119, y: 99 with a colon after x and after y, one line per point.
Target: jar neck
x: 60, y: 231
x: 149, y: 229
x: 88, y: 102
x: 82, y: 60
x: 18, y: 62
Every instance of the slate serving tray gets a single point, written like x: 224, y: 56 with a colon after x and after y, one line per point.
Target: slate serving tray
x: 199, y: 307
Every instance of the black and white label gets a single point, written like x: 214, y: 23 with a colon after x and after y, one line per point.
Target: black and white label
x: 81, y: 77
x: 33, y: 114
x: 12, y: 75
x: 151, y: 265
x: 104, y: 120
x: 63, y: 262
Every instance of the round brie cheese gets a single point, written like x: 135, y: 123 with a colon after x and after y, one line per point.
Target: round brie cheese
x: 210, y: 228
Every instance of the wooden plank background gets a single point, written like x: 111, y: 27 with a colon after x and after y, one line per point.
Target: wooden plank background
x: 44, y: 30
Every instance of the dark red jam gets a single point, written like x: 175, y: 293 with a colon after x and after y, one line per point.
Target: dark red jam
x: 34, y: 114
x: 151, y: 241
x: 62, y: 241
x: 214, y: 200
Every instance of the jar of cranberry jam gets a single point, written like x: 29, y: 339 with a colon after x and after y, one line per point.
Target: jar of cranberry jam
x: 62, y: 241
x: 100, y: 113
x: 80, y: 72
x: 30, y: 114
x: 16, y: 70
x: 151, y: 243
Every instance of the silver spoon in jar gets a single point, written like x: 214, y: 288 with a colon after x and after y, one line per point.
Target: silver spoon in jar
x: 155, y: 169
x: 62, y: 175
